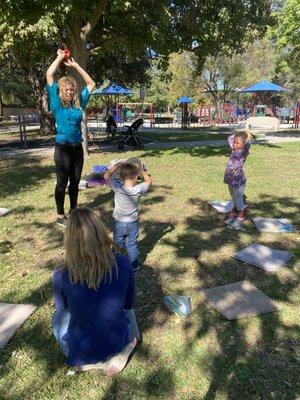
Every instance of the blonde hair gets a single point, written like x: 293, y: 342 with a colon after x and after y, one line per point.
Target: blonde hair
x: 88, y: 257
x: 243, y: 135
x: 62, y: 83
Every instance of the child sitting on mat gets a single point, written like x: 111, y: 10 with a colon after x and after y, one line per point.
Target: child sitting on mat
x: 127, y: 193
x: 94, y: 292
x: 235, y: 178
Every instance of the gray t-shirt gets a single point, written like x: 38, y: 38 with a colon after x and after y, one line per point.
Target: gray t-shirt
x: 126, y: 200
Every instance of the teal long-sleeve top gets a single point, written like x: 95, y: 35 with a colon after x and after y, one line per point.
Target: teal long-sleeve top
x: 67, y: 119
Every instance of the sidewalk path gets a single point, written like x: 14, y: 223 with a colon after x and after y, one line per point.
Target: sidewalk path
x: 49, y: 150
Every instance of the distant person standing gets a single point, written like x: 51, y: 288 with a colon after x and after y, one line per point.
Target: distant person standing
x: 111, y: 125
x: 67, y: 107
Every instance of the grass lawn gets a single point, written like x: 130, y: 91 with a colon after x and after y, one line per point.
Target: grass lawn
x: 161, y: 135
x: 192, y: 133
x: 184, y: 248
x: 35, y: 138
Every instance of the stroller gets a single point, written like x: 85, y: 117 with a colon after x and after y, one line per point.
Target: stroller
x: 130, y: 138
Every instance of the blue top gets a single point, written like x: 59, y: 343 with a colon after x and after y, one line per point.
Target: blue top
x: 98, y: 326
x: 67, y: 119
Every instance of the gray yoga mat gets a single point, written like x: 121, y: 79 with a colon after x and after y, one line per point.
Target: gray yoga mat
x: 4, y: 211
x: 221, y: 206
x: 11, y: 317
x: 263, y: 257
x: 239, y: 300
x: 276, y: 225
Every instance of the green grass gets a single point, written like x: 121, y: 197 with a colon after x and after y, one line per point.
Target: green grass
x: 164, y: 135
x: 184, y: 247
x: 191, y: 134
x: 161, y: 135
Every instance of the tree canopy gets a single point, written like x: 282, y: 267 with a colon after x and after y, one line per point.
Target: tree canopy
x: 205, y: 27
x: 115, y: 37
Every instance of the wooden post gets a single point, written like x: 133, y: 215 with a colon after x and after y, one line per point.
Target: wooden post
x: 22, y: 130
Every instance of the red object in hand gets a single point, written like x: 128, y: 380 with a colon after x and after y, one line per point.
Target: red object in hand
x: 67, y: 53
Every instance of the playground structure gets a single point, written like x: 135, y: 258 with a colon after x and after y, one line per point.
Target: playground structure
x: 297, y: 114
x: 226, y: 114
x: 204, y: 115
x: 188, y: 115
x: 184, y: 101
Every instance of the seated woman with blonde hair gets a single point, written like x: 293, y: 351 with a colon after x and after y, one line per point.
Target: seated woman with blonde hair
x: 94, y: 293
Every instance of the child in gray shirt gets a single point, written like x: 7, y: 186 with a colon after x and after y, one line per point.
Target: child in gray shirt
x: 127, y: 193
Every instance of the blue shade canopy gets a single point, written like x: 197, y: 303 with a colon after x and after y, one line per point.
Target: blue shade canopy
x: 264, y: 86
x: 113, y: 89
x: 184, y: 99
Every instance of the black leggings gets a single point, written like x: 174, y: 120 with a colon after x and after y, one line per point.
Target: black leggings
x: 68, y: 160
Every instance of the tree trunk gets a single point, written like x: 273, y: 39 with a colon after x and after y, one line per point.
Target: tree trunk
x: 46, y: 119
x: 47, y: 126
x: 1, y: 108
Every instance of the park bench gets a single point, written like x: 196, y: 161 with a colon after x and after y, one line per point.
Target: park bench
x: 262, y: 122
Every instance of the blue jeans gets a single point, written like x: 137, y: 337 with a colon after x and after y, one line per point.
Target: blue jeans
x: 125, y: 235
x: 61, y: 320
x: 237, y: 196
x: 60, y: 324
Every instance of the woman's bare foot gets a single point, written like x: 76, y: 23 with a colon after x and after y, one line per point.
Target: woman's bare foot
x: 112, y: 371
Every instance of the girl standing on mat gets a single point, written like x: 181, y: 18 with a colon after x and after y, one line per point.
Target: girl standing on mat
x: 94, y: 294
x: 67, y: 107
x: 235, y: 178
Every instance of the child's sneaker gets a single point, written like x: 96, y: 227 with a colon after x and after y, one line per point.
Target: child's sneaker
x: 237, y: 224
x: 245, y: 213
x: 230, y: 217
x: 136, y: 269
x: 62, y: 221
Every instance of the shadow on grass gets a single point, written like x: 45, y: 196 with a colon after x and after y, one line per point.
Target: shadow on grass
x: 36, y: 335
x: 204, y: 151
x: 32, y: 142
x: 277, y: 207
x: 22, y: 174
x: 37, y: 338
x: 294, y: 133
x: 259, y: 366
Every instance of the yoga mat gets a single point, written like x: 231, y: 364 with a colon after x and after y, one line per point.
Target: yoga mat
x: 221, y: 206
x: 239, y: 300
x: 276, y: 225
x: 83, y: 184
x: 11, y: 317
x: 4, y: 211
x: 263, y: 257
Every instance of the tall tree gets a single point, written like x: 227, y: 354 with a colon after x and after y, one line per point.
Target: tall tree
x: 156, y: 90
x: 222, y: 75
x: 92, y: 27
x: 286, y: 36
x: 14, y: 86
